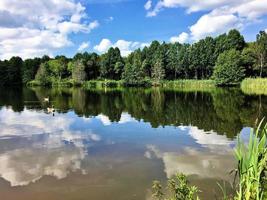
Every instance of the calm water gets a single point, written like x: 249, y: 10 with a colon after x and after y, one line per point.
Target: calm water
x: 112, y: 145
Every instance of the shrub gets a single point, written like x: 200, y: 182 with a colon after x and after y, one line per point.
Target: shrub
x: 228, y: 69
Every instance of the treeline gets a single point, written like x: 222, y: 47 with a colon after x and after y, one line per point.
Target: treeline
x: 227, y: 59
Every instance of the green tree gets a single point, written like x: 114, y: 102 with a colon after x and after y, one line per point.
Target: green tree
x: 58, y: 67
x: 78, y: 71
x: 249, y: 57
x: 261, y: 50
x: 43, y: 75
x: 133, y: 73
x: 235, y: 40
x: 158, y: 72
x: 229, y: 68
x: 108, y: 62
x: 14, y: 66
x: 29, y: 69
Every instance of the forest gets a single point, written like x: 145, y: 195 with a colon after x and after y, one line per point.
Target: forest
x: 227, y: 59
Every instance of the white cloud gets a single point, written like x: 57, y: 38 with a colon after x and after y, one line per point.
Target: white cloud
x: 190, y: 5
x: 215, y: 23
x: 93, y: 25
x: 190, y: 161
x: 110, y: 19
x: 104, y: 119
x: 103, y: 46
x: 126, y: 47
x: 222, y: 15
x: 49, y: 155
x: 126, y: 118
x: 182, y: 38
x: 148, y: 5
x: 213, y: 161
x: 83, y: 46
x: 33, y: 28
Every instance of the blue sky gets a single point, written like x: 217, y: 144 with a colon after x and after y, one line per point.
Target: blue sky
x: 70, y: 26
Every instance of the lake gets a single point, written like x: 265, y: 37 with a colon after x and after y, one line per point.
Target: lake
x: 112, y: 144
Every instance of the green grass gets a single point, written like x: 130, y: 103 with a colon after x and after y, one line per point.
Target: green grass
x: 53, y: 83
x: 256, y: 86
x: 190, y: 85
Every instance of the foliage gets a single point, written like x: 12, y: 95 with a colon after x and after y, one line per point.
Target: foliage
x: 252, y: 165
x: 177, y: 189
x: 109, y: 67
x: 156, y: 62
x: 158, y: 72
x: 43, y: 75
x: 134, y: 74
x: 261, y: 50
x: 78, y: 72
x: 228, y: 69
x: 58, y: 67
x: 29, y: 69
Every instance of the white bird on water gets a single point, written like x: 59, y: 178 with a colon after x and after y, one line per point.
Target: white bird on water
x: 51, y: 110
x: 46, y: 99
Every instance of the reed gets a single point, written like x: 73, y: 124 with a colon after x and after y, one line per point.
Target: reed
x: 254, y: 86
x: 252, y: 165
x: 190, y: 85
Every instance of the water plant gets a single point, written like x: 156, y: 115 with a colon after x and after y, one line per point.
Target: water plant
x: 178, y: 188
x: 252, y: 165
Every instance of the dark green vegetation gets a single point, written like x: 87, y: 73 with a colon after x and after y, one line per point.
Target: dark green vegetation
x: 227, y: 59
x: 252, y: 173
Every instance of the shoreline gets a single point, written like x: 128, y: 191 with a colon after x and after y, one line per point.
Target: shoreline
x: 249, y: 86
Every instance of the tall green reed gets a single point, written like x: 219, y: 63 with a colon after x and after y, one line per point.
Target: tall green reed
x: 252, y: 161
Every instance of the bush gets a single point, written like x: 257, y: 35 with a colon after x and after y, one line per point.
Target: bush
x: 228, y: 69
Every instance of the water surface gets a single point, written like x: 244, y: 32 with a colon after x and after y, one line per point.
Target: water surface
x: 113, y: 144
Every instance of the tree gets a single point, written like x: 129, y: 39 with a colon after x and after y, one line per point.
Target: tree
x: 235, y: 40
x: 29, y: 69
x: 228, y: 69
x: 58, y: 67
x: 158, y: 72
x: 133, y: 73
x: 108, y: 62
x: 14, y: 70
x: 43, y: 75
x: 78, y: 71
x: 3, y: 73
x: 261, y: 50
x: 249, y: 57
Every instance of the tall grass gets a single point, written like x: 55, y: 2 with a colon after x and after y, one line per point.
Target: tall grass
x: 190, y: 85
x: 252, y: 166
x: 254, y: 86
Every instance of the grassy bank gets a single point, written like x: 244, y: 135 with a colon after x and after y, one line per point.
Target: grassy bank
x: 256, y: 86
x: 181, y: 85
x: 57, y: 83
x: 249, y: 86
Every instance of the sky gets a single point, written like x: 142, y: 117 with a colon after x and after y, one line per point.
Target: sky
x: 33, y: 28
